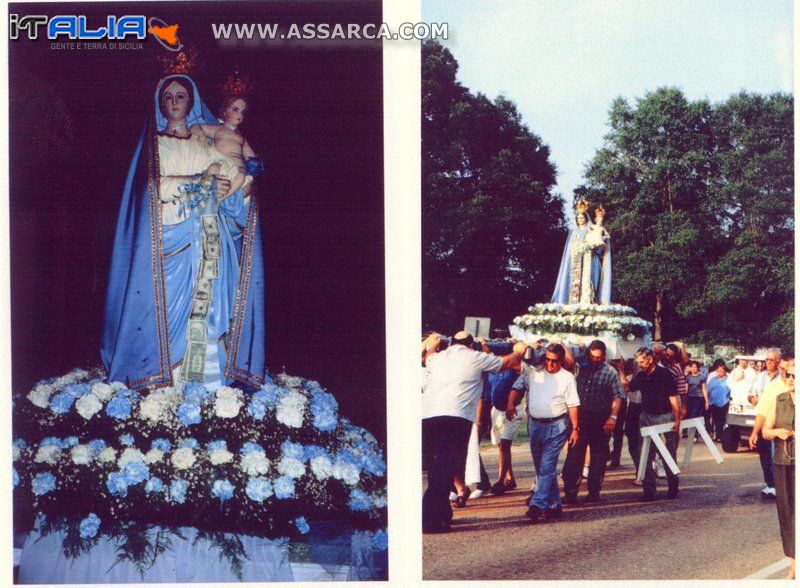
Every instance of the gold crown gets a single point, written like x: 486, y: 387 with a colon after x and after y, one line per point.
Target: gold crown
x: 181, y: 62
x: 236, y: 86
x: 582, y: 205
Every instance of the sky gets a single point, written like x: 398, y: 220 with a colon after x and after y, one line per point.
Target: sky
x: 563, y: 62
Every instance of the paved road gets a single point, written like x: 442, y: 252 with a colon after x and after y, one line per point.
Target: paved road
x: 719, y: 528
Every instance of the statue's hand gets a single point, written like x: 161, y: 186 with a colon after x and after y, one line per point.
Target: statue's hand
x: 223, y: 187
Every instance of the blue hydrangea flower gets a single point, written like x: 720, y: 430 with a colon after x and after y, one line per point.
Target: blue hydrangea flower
x: 284, y: 487
x: 218, y: 445
x: 178, y: 489
x: 119, y: 407
x: 117, y: 484
x: 161, y: 444
x: 312, y: 451
x: 15, y: 476
x: 90, y: 526
x: 257, y: 410
x: 258, y: 489
x: 136, y: 472
x: 268, y: 393
x: 55, y: 441
x: 43, y: 483
x: 61, y: 403
x: 97, y: 445
x: 359, y: 500
x: 222, y: 489
x: 251, y: 447
x: 71, y: 441
x: 154, y: 484
x: 302, y: 525
x: 20, y: 444
x: 189, y: 413
x: 295, y: 450
x: 195, y: 392
x: 191, y: 442
x: 380, y: 540
x: 126, y: 439
x: 323, y: 408
x: 78, y: 390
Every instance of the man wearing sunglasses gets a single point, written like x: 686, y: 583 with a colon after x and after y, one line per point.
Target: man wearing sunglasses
x: 552, y: 420
x: 659, y: 405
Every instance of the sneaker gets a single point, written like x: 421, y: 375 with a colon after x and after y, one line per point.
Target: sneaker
x: 661, y: 473
x: 477, y: 493
x: 453, y: 497
x: 534, y: 513
x: 585, y: 471
x: 768, y: 492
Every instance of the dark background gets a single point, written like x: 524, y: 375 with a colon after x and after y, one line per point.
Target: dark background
x: 315, y: 117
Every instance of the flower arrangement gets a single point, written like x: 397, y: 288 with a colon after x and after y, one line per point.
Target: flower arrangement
x: 95, y: 458
x: 583, y: 319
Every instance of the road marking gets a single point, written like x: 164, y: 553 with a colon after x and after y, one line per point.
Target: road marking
x: 770, y: 570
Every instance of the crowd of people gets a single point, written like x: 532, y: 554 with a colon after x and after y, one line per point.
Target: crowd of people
x: 578, y: 399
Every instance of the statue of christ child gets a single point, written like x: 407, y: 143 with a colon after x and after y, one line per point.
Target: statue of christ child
x: 229, y: 141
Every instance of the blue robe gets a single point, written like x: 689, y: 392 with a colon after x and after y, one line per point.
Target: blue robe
x: 152, y: 275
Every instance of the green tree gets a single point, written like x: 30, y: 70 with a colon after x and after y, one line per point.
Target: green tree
x: 652, y: 176
x: 750, y: 293
x: 489, y: 216
x: 700, y: 212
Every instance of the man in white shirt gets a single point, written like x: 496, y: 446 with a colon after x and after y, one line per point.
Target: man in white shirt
x: 450, y: 404
x: 552, y: 419
x: 741, y: 381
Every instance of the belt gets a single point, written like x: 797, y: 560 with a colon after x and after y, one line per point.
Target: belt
x: 549, y: 419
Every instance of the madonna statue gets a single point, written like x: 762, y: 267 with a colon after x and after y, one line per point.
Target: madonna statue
x: 185, y: 297
x: 585, y: 272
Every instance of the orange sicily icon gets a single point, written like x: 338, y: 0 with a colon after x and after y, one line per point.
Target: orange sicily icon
x: 166, y: 34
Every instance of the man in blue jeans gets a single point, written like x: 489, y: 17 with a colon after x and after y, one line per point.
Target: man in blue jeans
x: 552, y: 420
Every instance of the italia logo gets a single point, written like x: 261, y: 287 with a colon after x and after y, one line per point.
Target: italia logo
x: 76, y: 27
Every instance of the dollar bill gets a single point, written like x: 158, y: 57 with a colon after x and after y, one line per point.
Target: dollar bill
x: 202, y: 289
x: 199, y: 309
x: 211, y: 246
x: 209, y: 269
x: 194, y: 362
x: 196, y: 331
x: 210, y: 225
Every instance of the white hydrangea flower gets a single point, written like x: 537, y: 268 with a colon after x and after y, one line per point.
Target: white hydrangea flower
x: 321, y: 467
x: 117, y: 386
x: 16, y: 453
x: 128, y: 455
x: 183, y: 458
x: 379, y: 501
x: 40, y: 396
x: 48, y: 454
x: 108, y: 454
x: 154, y: 456
x: 255, y: 463
x: 172, y: 396
x: 88, y: 406
x: 346, y: 472
x: 228, y: 402
x: 103, y: 391
x: 81, y: 454
x: 292, y: 467
x: 154, y: 407
x: 289, y: 409
x: 292, y: 381
x: 220, y: 456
